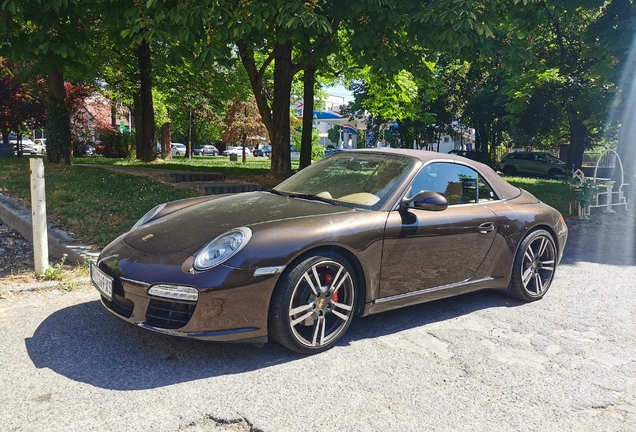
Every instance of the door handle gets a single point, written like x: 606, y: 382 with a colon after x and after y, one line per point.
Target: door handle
x: 486, y: 228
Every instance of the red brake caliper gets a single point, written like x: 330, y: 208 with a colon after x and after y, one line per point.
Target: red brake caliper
x: 328, y: 279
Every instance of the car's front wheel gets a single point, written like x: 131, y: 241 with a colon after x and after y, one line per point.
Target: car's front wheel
x: 534, y: 266
x: 555, y: 173
x: 313, y: 304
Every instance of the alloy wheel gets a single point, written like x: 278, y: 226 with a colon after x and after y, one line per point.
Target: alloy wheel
x: 539, y: 263
x: 321, y: 304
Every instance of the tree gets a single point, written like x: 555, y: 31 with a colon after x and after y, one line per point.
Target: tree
x: 169, y: 27
x: 385, y: 35
x: 242, y: 122
x: 197, y: 97
x: 555, y: 47
x: 54, y: 34
x: 22, y: 101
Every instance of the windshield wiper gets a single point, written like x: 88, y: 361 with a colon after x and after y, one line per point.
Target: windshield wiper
x: 308, y: 197
x: 275, y: 192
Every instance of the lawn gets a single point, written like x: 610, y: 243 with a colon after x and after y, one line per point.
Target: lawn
x: 97, y: 205
x: 556, y: 193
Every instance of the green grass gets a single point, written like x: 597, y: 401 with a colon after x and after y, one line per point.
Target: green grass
x: 97, y: 204
x: 94, y: 203
x: 556, y: 193
x: 254, y: 169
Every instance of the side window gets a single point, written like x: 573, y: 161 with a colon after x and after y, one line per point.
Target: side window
x: 457, y: 183
x: 485, y: 191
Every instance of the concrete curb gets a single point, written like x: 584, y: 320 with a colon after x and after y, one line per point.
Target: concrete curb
x: 60, y: 243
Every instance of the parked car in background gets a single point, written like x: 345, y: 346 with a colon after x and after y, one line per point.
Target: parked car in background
x: 40, y: 141
x: 532, y: 163
x: 265, y: 150
x: 178, y: 149
x: 237, y: 151
x: 470, y: 154
x: 206, y: 150
x: 100, y: 148
x: 89, y: 150
x: 28, y: 146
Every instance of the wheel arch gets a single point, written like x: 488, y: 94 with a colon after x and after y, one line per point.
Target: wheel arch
x: 361, y: 285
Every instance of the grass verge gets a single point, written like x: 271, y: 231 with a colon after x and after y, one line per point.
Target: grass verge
x: 94, y: 204
x: 556, y: 193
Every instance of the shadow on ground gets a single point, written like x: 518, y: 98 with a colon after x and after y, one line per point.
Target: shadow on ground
x: 86, y: 343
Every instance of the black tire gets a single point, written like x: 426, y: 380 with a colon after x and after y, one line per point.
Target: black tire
x: 534, y: 266
x: 509, y: 171
x: 313, y: 303
x: 555, y: 173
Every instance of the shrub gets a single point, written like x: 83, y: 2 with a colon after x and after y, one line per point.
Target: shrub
x: 119, y: 145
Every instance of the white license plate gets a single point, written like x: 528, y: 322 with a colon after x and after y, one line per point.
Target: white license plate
x: 102, y: 282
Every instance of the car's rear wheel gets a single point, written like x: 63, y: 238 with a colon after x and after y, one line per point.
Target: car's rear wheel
x: 534, y: 266
x: 313, y: 304
x: 509, y: 170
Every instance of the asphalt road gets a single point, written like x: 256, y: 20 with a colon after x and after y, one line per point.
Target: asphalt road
x: 480, y: 362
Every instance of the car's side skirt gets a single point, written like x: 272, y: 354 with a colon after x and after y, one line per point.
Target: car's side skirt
x: 430, y: 294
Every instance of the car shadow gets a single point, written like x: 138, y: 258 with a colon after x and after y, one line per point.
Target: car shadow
x: 87, y: 344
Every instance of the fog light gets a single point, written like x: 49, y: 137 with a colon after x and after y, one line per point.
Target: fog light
x: 175, y: 292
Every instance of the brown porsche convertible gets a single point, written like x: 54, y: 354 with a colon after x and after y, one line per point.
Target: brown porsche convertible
x: 359, y: 232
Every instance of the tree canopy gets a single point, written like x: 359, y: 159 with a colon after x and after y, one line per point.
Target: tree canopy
x: 542, y: 73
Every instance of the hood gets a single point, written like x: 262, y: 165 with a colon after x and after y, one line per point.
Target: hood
x: 189, y: 229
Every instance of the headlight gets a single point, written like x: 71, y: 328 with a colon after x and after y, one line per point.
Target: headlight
x: 148, y: 216
x: 222, y: 248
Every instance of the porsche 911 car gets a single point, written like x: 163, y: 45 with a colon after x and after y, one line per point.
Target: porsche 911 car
x: 357, y: 233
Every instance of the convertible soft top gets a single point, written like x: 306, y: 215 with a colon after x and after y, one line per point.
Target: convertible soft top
x: 504, y: 189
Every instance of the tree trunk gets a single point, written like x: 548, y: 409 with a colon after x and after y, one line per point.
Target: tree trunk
x: 166, y: 151
x: 574, y: 125
x: 276, y: 117
x: 137, y: 118
x: 5, y: 135
x: 581, y: 138
x: 58, y: 122
x: 283, y: 75
x: 147, y: 151
x: 308, y: 116
x: 243, y: 144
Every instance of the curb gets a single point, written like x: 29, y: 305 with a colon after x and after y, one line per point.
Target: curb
x: 60, y: 243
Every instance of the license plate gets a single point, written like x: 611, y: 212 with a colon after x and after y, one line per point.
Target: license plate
x: 102, y: 282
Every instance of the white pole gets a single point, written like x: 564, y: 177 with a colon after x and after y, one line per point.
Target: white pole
x: 38, y: 213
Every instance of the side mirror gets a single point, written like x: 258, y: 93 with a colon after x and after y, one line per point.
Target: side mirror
x: 426, y: 200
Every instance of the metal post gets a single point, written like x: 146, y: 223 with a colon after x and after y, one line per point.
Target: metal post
x: 38, y: 213
x: 610, y: 187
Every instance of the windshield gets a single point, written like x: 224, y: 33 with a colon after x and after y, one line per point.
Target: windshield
x: 352, y: 179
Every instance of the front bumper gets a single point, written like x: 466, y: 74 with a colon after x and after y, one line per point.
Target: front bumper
x: 232, y: 304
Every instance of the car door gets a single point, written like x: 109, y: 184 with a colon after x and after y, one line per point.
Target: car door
x: 426, y: 249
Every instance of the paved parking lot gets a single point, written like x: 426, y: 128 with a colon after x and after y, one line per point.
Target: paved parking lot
x: 480, y: 362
